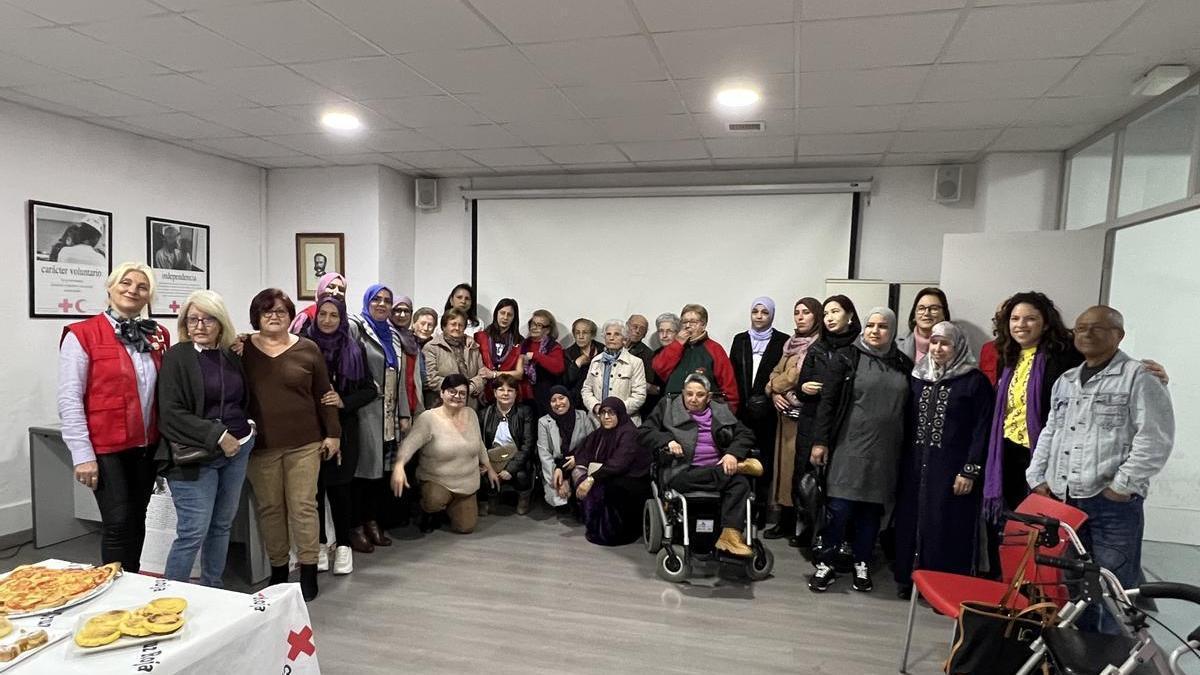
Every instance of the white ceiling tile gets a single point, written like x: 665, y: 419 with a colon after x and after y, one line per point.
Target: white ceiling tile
x: 11, y: 17
x: 401, y: 26
x: 774, y: 91
x: 426, y: 111
x: 848, y: 119
x: 664, y: 150
x: 443, y: 159
x: 15, y: 72
x: 179, y: 125
x: 752, y: 146
x: 93, y: 98
x: 367, y: 78
x: 174, y: 42
x: 1110, y: 74
x: 188, y: 5
x: 312, y: 113
x: 269, y: 85
x: 1037, y: 31
x: 583, y: 154
x: 472, y: 137
x: 839, y: 160
x: 557, y: 132
x: 121, y: 125
x: 550, y: 20
x: 926, y: 158
x: 776, y: 123
x: 245, y: 147
x: 647, y: 128
x: 1078, y: 110
x: 874, y: 42
x: 291, y: 162
x: 399, y: 140
x: 1042, y: 138
x: 617, y: 100
x: 982, y: 81
x: 861, y: 87
x: 668, y: 15
x: 1161, y: 25
x: 597, y: 60
x: 177, y: 91
x: 257, y: 121
x: 966, y: 140
x: 728, y: 52
x: 965, y: 114
x: 843, y: 144
x: 477, y: 70
x: 513, y: 106
x: 83, y: 11
x: 507, y: 157
x: 287, y: 31
x: 79, y: 55
x: 322, y: 144
x: 842, y: 9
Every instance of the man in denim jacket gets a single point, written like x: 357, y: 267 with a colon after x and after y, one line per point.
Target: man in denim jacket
x: 1111, y: 428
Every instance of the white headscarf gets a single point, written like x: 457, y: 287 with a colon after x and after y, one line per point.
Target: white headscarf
x: 960, y: 364
x: 861, y: 342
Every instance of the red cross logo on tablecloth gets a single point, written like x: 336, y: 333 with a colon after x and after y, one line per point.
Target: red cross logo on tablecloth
x: 174, y: 306
x: 301, y: 643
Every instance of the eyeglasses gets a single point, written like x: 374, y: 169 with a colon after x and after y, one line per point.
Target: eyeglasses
x: 538, y: 324
x: 280, y: 312
x: 455, y: 393
x: 195, y: 322
x: 402, y: 310
x: 690, y: 322
x: 1089, y: 328
x: 605, y: 412
x: 929, y: 309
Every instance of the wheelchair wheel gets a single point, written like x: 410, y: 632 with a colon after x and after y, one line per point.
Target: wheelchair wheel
x: 673, y: 568
x: 760, y: 566
x: 652, y: 526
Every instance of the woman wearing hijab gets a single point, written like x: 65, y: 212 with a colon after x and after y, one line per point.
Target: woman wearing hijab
x: 462, y: 298
x: 929, y: 308
x: 937, y: 506
x: 331, y: 284
x: 500, y: 347
x: 781, y: 386
x: 611, y: 478
x: 859, y: 433
x: 383, y: 421
x: 559, y: 432
x: 754, y: 354
x: 353, y: 388
x: 543, y: 361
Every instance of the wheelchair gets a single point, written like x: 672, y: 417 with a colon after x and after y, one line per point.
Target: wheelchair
x: 683, y: 528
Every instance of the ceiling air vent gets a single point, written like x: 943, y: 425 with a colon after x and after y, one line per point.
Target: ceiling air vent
x: 746, y: 127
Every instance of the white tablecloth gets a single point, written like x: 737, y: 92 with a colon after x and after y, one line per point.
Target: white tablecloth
x: 227, y: 633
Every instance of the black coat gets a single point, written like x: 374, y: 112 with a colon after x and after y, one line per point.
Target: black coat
x: 520, y: 425
x: 756, y: 407
x: 356, y: 395
x: 181, y: 406
x: 670, y: 421
x: 574, y: 375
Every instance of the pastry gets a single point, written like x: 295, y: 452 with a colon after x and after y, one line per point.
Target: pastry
x: 169, y: 605
x: 92, y: 635
x: 164, y: 623
x: 5, y: 626
x: 134, y: 626
x: 111, y: 618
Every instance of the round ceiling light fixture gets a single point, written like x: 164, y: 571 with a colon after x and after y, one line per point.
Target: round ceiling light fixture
x: 340, y: 121
x: 737, y: 97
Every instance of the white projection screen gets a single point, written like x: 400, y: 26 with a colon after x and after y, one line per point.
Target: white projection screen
x: 606, y: 258
x: 1155, y: 283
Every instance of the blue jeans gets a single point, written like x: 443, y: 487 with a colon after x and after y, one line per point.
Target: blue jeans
x: 204, y: 509
x: 1113, y: 535
x: 863, y: 518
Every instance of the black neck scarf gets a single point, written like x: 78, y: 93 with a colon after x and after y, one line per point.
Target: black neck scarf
x: 134, y: 332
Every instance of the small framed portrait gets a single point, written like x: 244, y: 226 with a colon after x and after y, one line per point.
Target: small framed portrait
x: 317, y: 254
x: 178, y: 254
x: 70, y: 257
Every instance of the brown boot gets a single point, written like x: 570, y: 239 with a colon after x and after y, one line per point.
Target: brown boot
x: 523, y: 503
x: 375, y: 534
x: 750, y: 467
x: 359, y: 541
x: 731, y: 542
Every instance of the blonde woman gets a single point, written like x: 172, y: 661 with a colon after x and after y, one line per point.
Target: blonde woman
x: 107, y: 368
x: 202, y: 399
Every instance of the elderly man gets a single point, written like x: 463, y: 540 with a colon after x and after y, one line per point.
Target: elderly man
x: 694, y: 352
x: 705, y: 447
x: 1111, y: 428
x: 614, y: 372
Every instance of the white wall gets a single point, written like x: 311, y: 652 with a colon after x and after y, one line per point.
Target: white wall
x: 51, y: 158
x: 1018, y: 192
x: 397, y: 240
x: 443, y: 246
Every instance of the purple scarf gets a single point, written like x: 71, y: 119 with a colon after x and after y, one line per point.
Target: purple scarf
x: 543, y: 347
x: 993, y: 481
x: 343, y: 356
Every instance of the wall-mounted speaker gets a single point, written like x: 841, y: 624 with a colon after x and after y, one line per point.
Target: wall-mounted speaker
x: 427, y: 193
x: 947, y: 184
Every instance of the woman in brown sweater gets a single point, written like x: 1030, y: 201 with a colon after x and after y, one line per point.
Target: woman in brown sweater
x: 296, y: 410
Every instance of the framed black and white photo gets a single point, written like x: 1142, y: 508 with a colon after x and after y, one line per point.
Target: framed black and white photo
x: 70, y: 256
x: 178, y: 255
x: 317, y: 254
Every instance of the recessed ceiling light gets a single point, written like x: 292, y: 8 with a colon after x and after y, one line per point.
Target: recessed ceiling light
x: 341, y: 121
x: 737, y: 97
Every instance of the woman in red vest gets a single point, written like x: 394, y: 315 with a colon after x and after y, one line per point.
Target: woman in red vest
x: 107, y: 370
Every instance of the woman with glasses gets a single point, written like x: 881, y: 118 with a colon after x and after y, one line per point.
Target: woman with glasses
x: 288, y: 382
x: 452, y: 457
x: 543, y: 361
x: 929, y: 309
x: 424, y: 322
x: 452, y: 352
x: 414, y: 360
x: 202, y: 399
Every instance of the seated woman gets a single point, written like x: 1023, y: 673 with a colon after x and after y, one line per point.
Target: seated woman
x: 452, y: 457
x: 611, y: 476
x: 705, y: 447
x: 507, y: 426
x: 558, y: 434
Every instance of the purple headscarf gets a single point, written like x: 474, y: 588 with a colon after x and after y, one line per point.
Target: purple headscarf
x: 759, y: 339
x: 993, y: 478
x: 343, y: 356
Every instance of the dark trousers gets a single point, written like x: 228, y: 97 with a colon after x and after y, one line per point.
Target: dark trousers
x: 735, y: 490
x: 341, y: 505
x: 1015, y: 460
x: 122, y: 493
x: 862, y: 518
x: 1113, y: 535
x: 372, y: 499
x: 521, y: 482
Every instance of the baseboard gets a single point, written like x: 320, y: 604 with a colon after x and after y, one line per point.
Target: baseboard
x: 15, y: 539
x: 16, y: 518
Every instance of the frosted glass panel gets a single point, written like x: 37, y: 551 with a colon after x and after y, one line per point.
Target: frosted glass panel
x: 1158, y: 156
x: 1087, y: 195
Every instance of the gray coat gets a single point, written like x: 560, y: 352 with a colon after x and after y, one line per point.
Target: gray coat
x: 372, y: 462
x: 670, y: 421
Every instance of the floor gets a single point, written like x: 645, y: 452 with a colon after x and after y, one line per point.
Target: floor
x: 529, y: 594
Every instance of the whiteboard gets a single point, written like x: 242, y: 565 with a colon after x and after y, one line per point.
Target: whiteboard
x: 605, y: 258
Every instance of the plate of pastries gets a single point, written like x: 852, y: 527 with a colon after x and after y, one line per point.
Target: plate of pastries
x: 18, y: 643
x: 159, y: 619
x: 45, y: 587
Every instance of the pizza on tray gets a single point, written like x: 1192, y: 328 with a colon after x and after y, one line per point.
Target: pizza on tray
x: 31, y: 588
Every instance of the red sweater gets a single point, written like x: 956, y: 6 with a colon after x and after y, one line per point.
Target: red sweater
x: 989, y: 361
x: 510, y: 362
x: 669, y: 357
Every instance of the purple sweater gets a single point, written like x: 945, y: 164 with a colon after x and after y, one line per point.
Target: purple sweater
x: 706, y: 453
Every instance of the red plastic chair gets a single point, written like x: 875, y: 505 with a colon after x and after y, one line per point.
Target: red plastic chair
x: 946, y: 592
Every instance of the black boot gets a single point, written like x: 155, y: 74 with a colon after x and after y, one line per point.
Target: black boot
x: 427, y: 523
x: 279, y: 574
x: 785, y: 526
x: 308, y: 581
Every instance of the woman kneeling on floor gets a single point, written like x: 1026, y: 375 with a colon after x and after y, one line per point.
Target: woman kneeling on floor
x: 452, y: 457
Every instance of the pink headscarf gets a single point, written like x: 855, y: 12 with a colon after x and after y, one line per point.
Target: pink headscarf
x: 309, y: 313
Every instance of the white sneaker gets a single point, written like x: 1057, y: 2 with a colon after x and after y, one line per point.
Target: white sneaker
x: 343, y: 560
x: 322, y: 558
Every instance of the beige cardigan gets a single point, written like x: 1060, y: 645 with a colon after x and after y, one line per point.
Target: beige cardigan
x: 448, y: 458
x: 440, y: 362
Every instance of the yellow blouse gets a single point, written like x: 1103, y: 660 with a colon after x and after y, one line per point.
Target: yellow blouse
x: 1015, y: 427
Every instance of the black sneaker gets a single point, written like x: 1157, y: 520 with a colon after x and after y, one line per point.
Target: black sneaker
x: 822, y: 579
x: 862, y: 577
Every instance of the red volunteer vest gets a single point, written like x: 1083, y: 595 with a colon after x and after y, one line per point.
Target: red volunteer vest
x: 114, y: 410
